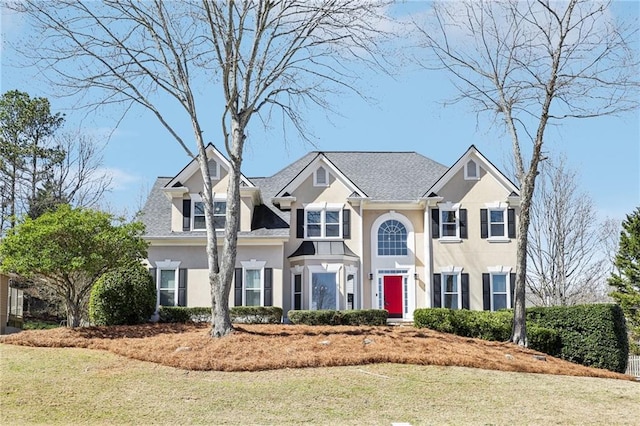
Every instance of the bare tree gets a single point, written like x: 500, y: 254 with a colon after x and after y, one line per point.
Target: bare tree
x: 568, y: 261
x: 265, y: 56
x: 529, y: 64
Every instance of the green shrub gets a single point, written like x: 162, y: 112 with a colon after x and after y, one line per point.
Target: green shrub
x: 333, y: 317
x: 238, y: 314
x: 438, y: 319
x: 544, y: 339
x: 183, y: 314
x: 256, y: 314
x: 479, y: 324
x: 123, y: 297
x: 592, y: 335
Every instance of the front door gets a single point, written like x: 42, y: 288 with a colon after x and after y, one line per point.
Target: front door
x: 393, y: 295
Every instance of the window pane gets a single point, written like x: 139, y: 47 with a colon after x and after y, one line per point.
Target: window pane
x: 497, y: 230
x: 219, y: 222
x: 392, y: 239
x: 198, y: 222
x: 499, y: 283
x: 332, y: 231
x: 451, y: 301
x: 220, y: 207
x: 252, y: 298
x: 448, y: 216
x: 167, y: 279
x: 449, y: 230
x: 313, y: 217
x: 167, y: 298
x: 450, y: 283
x: 332, y: 217
x: 497, y: 216
x: 313, y: 230
x: 499, y: 301
x: 252, y: 278
x: 323, y: 291
x: 321, y: 175
x: 198, y: 208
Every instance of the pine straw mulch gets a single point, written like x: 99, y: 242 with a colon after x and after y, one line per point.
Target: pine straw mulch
x: 267, y: 347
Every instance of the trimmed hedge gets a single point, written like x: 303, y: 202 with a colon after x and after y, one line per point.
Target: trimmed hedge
x: 238, y: 314
x: 593, y: 335
x: 125, y: 296
x: 333, y: 317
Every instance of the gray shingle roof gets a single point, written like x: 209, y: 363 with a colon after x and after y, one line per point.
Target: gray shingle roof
x: 383, y: 176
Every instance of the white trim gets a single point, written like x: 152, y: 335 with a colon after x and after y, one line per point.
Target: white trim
x: 197, y: 198
x: 297, y: 270
x: 504, y: 271
x: 167, y: 265
x: 453, y: 271
x: 316, y: 182
x: 323, y: 208
x: 449, y: 207
x: 467, y: 176
x: 252, y: 265
x: 325, y: 268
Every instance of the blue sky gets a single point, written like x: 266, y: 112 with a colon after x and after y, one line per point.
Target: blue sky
x: 407, y: 115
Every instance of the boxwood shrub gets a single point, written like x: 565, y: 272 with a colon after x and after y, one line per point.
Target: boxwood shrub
x: 124, y: 296
x: 593, y: 335
x: 333, y: 317
x: 238, y: 314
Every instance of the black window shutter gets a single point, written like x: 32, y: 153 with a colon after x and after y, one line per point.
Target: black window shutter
x: 511, y: 222
x: 437, y: 291
x: 486, y: 292
x: 186, y: 215
x: 300, y: 223
x: 512, y: 282
x: 484, y: 223
x: 182, y: 287
x: 346, y: 224
x: 237, y: 293
x: 435, y: 223
x: 268, y: 286
x: 463, y: 224
x: 465, y: 290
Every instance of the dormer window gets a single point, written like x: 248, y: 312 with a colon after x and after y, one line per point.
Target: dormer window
x: 321, y: 177
x: 471, y: 170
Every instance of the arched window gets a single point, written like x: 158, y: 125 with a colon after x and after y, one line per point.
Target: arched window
x: 392, y: 239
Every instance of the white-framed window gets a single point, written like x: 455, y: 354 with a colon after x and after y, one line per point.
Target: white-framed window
x: 198, y: 217
x: 323, y: 221
x: 321, y: 177
x: 324, y: 294
x: 471, y: 170
x: 500, y: 294
x: 253, y: 282
x: 497, y: 223
x: 449, y: 223
x: 167, y: 279
x: 297, y: 291
x: 451, y: 290
x: 392, y: 239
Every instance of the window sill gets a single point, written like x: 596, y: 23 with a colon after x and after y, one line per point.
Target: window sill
x: 448, y: 240
x: 498, y: 240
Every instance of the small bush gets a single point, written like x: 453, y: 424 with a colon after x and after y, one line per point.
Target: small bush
x: 183, y: 314
x: 592, y: 335
x: 333, y: 317
x: 478, y: 324
x: 256, y: 314
x: 125, y: 296
x: 238, y: 314
x: 544, y: 339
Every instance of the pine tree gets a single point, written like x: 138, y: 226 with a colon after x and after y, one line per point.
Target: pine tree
x: 626, y: 278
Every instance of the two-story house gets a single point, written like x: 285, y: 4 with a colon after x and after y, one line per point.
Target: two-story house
x: 345, y: 230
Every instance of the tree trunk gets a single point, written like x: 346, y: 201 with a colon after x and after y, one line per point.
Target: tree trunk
x: 74, y: 314
x: 519, y: 331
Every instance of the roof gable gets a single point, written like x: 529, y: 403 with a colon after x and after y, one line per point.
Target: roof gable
x: 193, y: 167
x: 320, y: 160
x: 472, y: 154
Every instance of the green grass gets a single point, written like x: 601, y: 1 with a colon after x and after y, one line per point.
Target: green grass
x: 40, y: 325
x: 79, y: 386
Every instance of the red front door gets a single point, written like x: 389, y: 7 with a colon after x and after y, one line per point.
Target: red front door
x: 393, y: 295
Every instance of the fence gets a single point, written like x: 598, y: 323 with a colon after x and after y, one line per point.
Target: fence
x: 633, y: 365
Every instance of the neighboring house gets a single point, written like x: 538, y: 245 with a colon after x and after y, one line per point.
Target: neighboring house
x: 345, y: 230
x: 11, y: 300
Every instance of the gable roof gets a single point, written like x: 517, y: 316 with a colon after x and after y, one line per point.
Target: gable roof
x: 475, y: 154
x: 369, y: 173
x: 193, y: 167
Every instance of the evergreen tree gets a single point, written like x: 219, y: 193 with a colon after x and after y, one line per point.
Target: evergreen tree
x: 626, y: 278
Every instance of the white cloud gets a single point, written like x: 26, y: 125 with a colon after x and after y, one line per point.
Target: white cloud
x: 121, y: 180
